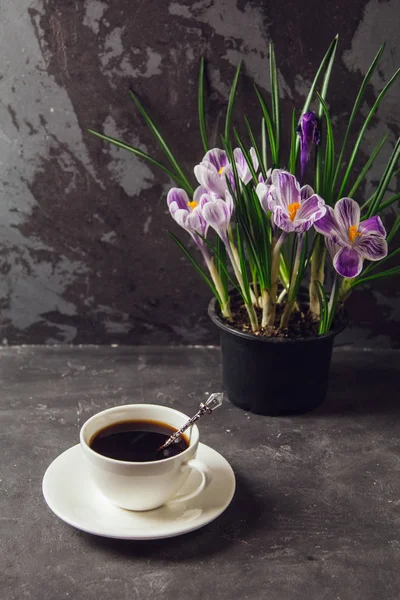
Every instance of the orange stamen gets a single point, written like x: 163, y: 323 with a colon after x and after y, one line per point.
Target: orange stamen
x: 292, y: 209
x: 193, y: 204
x: 222, y: 169
x: 353, y: 233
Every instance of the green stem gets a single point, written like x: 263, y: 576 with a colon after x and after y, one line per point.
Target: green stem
x: 345, y: 290
x: 256, y: 294
x: 282, y: 296
x: 265, y: 301
x: 274, y: 278
x: 231, y: 250
x: 287, y: 313
x: 264, y: 144
x: 225, y: 301
x: 283, y: 272
x: 253, y: 317
x: 332, y: 302
x: 317, y: 274
x: 233, y: 257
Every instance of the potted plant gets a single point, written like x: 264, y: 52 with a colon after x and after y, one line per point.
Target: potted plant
x: 281, y: 242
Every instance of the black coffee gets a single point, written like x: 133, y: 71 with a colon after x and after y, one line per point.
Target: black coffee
x: 137, y: 441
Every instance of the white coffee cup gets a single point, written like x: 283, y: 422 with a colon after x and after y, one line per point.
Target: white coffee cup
x: 143, y: 485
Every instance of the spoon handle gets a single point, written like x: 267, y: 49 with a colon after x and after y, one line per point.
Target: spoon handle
x: 206, y: 408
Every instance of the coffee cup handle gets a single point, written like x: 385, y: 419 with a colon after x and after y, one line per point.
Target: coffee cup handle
x: 206, y: 478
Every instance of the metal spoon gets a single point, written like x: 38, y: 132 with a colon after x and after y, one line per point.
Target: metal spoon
x: 206, y: 408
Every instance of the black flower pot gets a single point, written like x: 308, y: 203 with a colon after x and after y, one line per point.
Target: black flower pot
x: 274, y: 376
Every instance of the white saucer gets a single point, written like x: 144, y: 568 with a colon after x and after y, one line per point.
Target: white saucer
x: 74, y: 498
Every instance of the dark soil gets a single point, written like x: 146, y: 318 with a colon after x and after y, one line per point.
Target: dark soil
x: 301, y: 325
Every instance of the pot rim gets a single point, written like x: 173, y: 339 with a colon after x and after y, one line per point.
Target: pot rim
x: 215, y: 318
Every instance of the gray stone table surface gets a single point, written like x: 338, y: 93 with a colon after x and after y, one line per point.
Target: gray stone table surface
x: 316, y: 513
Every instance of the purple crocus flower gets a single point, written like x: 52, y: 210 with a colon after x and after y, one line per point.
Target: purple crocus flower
x: 187, y: 213
x: 242, y: 167
x: 212, y: 170
x: 349, y: 240
x: 308, y: 130
x: 217, y: 213
x: 293, y: 208
x: 262, y: 191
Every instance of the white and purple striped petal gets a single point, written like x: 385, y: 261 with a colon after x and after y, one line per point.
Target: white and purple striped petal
x: 327, y: 224
x: 348, y: 262
x: 178, y: 197
x: 187, y: 217
x: 332, y: 247
x: 301, y: 207
x: 217, y: 158
x: 286, y: 189
x: 209, y: 178
x: 311, y: 209
x: 196, y: 222
x: 370, y: 246
x: 263, y: 193
x: 347, y: 213
x: 372, y: 225
x: 229, y: 203
x: 242, y: 166
x: 199, y: 192
x: 217, y: 213
x: 282, y: 219
x: 306, y: 191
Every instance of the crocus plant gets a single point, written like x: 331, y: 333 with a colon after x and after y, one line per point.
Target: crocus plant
x: 262, y: 224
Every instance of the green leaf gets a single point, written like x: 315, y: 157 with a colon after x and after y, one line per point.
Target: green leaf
x: 333, y: 303
x: 221, y: 263
x: 326, y: 78
x: 231, y: 101
x: 302, y: 265
x: 384, y: 204
x: 142, y: 154
x: 201, y: 109
x: 356, y: 148
x: 394, y: 230
x: 385, y: 180
x: 270, y: 128
x: 313, y: 243
x: 329, y: 163
x: 220, y: 260
x: 255, y: 229
x: 247, y: 157
x: 356, y: 106
x: 376, y: 264
x: 293, y: 250
x: 275, y: 99
x: 243, y: 266
x: 196, y: 266
x: 254, y: 144
x: 264, y: 144
x: 367, y: 202
x: 323, y: 302
x: 387, y: 203
x: 367, y: 167
x: 319, y: 179
x: 327, y: 62
x: 163, y: 145
x: 293, y: 140
x: 284, y: 271
x: 382, y: 275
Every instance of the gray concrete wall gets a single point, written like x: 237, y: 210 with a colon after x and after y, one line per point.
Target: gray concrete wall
x: 85, y: 255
